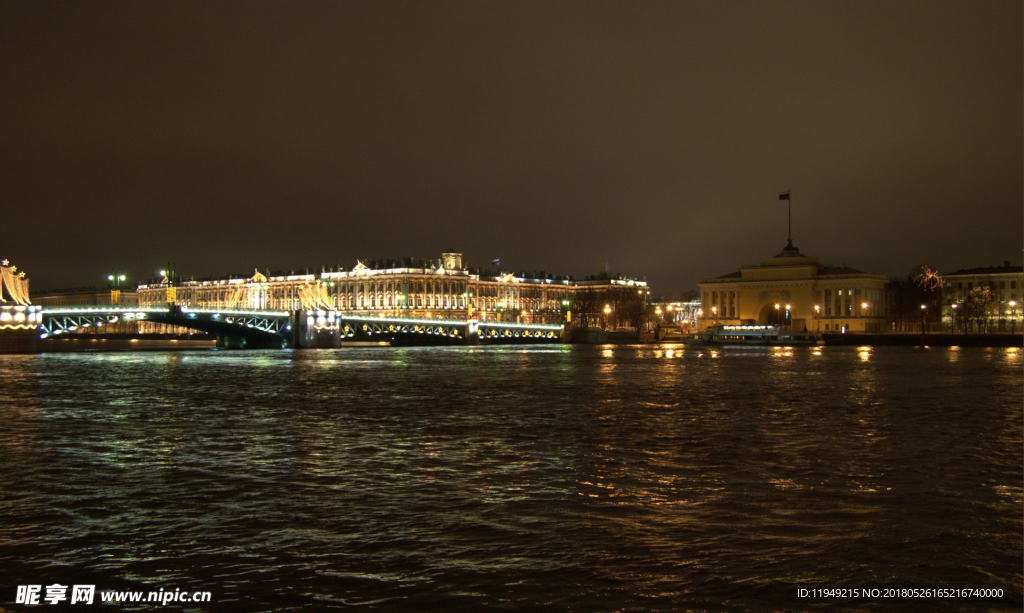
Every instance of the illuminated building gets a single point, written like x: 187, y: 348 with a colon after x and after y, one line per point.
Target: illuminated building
x: 1006, y: 284
x: 796, y: 291
x: 441, y: 288
x: 84, y: 296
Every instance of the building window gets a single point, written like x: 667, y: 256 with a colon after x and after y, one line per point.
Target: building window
x: 960, y: 285
x: 1013, y: 285
x: 1002, y: 285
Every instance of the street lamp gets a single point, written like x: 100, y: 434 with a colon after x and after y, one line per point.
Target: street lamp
x: 778, y: 317
x: 168, y: 275
x: 924, y: 307
x: 714, y: 310
x: 789, y: 319
x: 817, y: 318
x: 607, y: 311
x: 952, y: 318
x: 115, y: 287
x: 1013, y: 315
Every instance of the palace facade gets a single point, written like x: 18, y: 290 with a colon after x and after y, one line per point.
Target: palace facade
x: 442, y: 289
x: 796, y: 291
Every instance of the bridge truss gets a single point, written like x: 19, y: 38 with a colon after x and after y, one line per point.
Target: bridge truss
x: 245, y: 324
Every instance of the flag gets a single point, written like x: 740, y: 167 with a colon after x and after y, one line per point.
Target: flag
x: 784, y: 196
x: 496, y: 262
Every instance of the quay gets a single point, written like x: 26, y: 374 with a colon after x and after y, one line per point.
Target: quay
x: 925, y: 340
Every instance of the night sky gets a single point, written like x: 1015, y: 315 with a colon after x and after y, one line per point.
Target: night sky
x: 556, y: 136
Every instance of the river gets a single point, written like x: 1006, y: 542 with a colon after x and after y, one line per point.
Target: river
x: 545, y: 478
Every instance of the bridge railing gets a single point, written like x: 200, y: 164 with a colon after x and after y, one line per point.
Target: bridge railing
x: 87, y: 310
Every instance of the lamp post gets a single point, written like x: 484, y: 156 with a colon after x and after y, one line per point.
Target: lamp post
x: 789, y: 318
x: 1013, y: 315
x: 168, y: 275
x: 864, y: 314
x: 952, y: 318
x: 115, y: 287
x: 817, y: 318
x: 924, y: 308
x: 778, y: 317
x: 714, y: 310
x: 607, y: 312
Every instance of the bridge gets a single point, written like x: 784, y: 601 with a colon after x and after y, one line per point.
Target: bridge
x: 299, y: 329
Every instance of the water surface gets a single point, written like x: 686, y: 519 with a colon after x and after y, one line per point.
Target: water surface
x: 549, y: 478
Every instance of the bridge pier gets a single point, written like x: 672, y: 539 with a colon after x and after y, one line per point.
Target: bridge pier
x: 18, y: 329
x: 314, y: 330
x: 472, y: 332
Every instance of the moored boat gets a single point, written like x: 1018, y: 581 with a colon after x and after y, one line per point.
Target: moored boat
x: 721, y: 334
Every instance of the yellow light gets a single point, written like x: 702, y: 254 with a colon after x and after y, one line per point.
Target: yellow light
x: 817, y: 308
x: 776, y: 306
x: 788, y: 307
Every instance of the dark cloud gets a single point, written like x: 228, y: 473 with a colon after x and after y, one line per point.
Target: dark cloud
x: 556, y: 136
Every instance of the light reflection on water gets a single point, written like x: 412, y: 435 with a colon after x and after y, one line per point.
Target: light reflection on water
x: 497, y: 478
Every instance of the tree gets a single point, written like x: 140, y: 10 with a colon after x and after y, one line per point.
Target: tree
x: 977, y: 307
x: 584, y: 307
x: 632, y: 307
x: 690, y: 295
x: 927, y: 278
x: 904, y: 297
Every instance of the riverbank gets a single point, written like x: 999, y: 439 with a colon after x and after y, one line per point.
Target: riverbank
x: 929, y: 340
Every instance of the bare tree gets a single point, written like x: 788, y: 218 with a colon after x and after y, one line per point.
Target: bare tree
x: 928, y: 278
x: 904, y: 297
x: 584, y: 307
x: 633, y: 307
x: 977, y: 306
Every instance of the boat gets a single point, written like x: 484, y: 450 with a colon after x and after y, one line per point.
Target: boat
x: 721, y: 334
